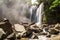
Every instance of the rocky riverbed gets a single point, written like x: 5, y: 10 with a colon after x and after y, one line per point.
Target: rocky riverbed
x: 30, y: 31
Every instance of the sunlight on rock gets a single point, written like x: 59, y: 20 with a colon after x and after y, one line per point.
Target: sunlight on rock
x: 1, y: 32
x: 42, y: 37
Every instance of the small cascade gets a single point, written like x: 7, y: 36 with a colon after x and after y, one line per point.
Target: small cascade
x: 33, y: 9
x: 39, y: 14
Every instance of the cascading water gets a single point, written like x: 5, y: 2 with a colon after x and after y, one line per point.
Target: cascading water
x: 33, y: 9
x: 39, y: 14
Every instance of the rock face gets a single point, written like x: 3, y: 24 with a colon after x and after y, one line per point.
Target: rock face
x: 7, y: 28
x: 1, y: 32
x: 45, y: 25
x: 53, y: 31
x: 26, y: 30
x: 57, y: 26
x: 19, y: 29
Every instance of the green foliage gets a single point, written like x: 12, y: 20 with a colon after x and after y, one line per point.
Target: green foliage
x: 51, y: 11
x: 55, y: 4
x: 39, y: 1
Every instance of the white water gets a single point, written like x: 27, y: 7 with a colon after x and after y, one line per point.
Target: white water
x: 33, y: 9
x: 39, y: 14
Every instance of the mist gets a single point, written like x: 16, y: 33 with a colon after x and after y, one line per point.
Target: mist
x: 16, y: 11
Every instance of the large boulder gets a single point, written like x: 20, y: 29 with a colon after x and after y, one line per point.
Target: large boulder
x: 44, y: 25
x: 53, y: 31
x: 19, y: 29
x: 57, y: 26
x: 1, y: 32
x: 51, y: 26
x: 7, y: 28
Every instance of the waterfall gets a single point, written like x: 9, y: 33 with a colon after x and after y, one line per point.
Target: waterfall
x: 39, y: 14
x: 15, y: 10
x: 33, y: 9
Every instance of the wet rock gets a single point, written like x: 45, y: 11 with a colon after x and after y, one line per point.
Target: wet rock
x: 35, y: 29
x: 46, y: 29
x: 18, y: 37
x: 7, y: 27
x: 34, y: 26
x: 26, y: 26
x: 11, y: 36
x: 19, y: 29
x: 42, y: 33
x: 36, y: 37
x: 28, y: 34
x: 48, y: 35
x: 1, y: 32
x: 57, y: 26
x: 51, y: 26
x: 53, y: 31
x: 44, y: 25
x: 32, y: 23
x: 53, y: 35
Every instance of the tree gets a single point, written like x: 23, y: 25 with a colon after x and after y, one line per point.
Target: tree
x: 54, y: 4
x: 51, y: 10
